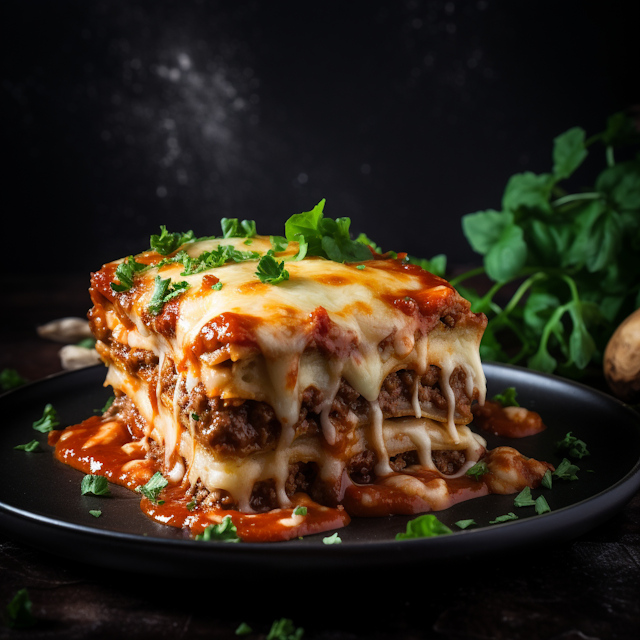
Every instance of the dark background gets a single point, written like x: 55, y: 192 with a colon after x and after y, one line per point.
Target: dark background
x: 121, y: 116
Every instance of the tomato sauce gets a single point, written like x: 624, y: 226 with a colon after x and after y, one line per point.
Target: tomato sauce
x: 508, y: 422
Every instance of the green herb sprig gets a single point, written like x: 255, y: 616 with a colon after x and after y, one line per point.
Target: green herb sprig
x: 426, y: 526
x: 574, y: 255
x: 165, y: 290
x: 226, y: 531
x: 151, y: 490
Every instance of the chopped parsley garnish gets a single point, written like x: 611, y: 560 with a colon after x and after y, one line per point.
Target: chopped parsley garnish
x: 278, y: 243
x: 126, y: 272
x: 97, y: 485
x: 361, y: 267
x: 192, y: 505
x: 300, y: 511
x: 524, y: 499
x: 96, y: 513
x: 326, y: 237
x: 167, y: 243
x: 566, y: 470
x: 542, y: 506
x: 507, y: 398
x: 212, y: 259
x: 107, y: 404
x: 29, y: 447
x: 18, y: 612
x: 333, y: 539
x: 505, y: 518
x: 243, y: 629
x: 217, y: 286
x: 426, y: 526
x: 195, y: 416
x: 465, y: 524
x: 87, y: 343
x: 284, y: 629
x: 478, y: 470
x: 164, y: 291
x: 154, y: 486
x: 547, y: 480
x: 226, y: 531
x: 364, y: 239
x: 572, y: 446
x: 270, y: 271
x: 49, y: 420
x: 232, y: 229
x: 10, y: 379
x: 248, y: 241
x: 303, y: 247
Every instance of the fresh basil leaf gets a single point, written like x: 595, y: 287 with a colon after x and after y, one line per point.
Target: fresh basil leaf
x: 572, y: 446
x: 507, y: 256
x: 226, y: 531
x: 332, y: 539
x: 49, y: 420
x: 151, y: 490
x: 165, y: 290
x: 547, y: 480
x: 125, y: 272
x: 96, y: 513
x: 284, y: 629
x: 271, y: 271
x: 18, y: 613
x: 568, y: 152
x: 29, y: 447
x: 505, y: 518
x: 478, y: 470
x: 542, y: 506
x: 528, y: 191
x: 11, y: 379
x: 524, y: 499
x: 465, y: 524
x: 278, y: 243
x: 300, y: 511
x: 97, y: 485
x: 566, y: 470
x: 425, y: 526
x: 484, y: 229
x: 507, y: 398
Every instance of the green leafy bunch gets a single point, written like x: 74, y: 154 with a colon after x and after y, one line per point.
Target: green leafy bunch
x: 576, y: 256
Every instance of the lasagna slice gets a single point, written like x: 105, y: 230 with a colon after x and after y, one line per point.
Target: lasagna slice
x: 342, y: 387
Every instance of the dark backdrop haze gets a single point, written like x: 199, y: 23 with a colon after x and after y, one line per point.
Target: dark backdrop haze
x: 121, y: 116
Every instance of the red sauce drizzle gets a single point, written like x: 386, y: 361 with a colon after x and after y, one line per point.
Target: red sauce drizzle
x: 509, y: 424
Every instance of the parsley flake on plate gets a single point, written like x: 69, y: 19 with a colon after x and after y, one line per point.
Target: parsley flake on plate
x: 333, y: 539
x: 507, y: 398
x: 572, y: 446
x: 542, y: 506
x: 524, y: 499
x: 547, y: 480
x: 465, y: 524
x: 478, y: 470
x: 97, y: 485
x: 96, y: 513
x: 425, y: 526
x: 566, y: 470
x: 29, y: 447
x: 49, y: 420
x: 226, y: 531
x: 151, y: 490
x: 505, y: 518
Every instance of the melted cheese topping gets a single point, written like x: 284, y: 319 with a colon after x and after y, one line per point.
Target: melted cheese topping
x: 370, y: 335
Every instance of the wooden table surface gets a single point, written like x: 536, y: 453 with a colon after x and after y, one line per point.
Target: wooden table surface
x: 581, y: 590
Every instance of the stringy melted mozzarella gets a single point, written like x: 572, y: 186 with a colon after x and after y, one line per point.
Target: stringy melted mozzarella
x: 282, y: 369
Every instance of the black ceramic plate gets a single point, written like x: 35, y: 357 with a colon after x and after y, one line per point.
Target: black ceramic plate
x: 40, y: 501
